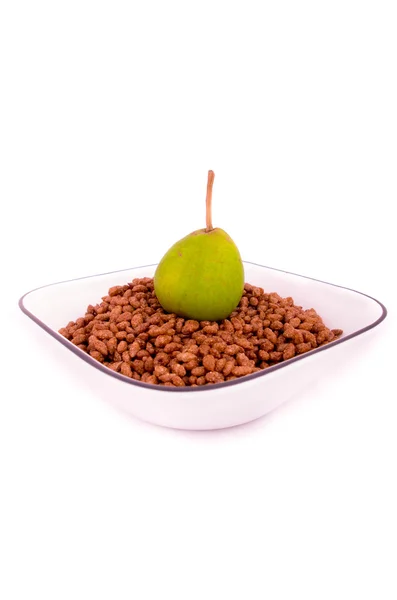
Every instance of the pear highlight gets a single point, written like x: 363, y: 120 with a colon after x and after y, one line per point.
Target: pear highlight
x: 201, y: 276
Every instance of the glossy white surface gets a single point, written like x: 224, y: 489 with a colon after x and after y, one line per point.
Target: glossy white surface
x: 213, y: 407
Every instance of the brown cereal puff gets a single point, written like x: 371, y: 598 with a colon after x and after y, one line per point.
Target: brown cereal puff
x: 130, y: 333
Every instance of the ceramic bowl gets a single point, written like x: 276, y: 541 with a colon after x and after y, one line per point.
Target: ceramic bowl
x: 225, y: 404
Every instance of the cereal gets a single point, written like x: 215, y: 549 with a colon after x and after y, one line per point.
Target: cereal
x: 130, y: 333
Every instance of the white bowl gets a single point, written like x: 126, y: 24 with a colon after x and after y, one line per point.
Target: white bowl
x: 224, y: 404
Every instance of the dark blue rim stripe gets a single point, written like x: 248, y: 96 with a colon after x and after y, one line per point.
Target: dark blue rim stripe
x: 160, y: 388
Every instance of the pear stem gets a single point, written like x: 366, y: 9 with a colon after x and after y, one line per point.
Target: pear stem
x: 208, y: 201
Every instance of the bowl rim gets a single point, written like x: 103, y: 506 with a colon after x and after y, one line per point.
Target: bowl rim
x: 167, y: 389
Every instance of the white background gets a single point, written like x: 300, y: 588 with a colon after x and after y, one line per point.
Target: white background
x: 111, y: 115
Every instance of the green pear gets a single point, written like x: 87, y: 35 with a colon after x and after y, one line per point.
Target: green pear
x: 201, y: 277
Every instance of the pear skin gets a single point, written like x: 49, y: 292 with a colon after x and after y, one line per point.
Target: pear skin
x: 201, y: 277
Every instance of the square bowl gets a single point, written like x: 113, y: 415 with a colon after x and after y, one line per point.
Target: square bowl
x: 223, y: 404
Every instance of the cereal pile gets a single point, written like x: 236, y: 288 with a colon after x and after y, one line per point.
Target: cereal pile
x: 130, y: 333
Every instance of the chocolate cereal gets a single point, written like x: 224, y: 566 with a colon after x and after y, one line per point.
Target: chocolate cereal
x: 130, y: 333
